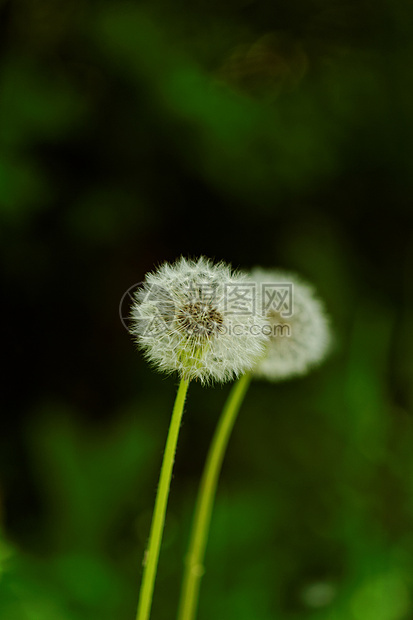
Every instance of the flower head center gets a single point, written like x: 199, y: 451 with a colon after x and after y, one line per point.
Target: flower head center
x: 199, y: 319
x: 276, y: 317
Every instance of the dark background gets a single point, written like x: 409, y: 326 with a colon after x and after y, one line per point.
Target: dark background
x: 259, y: 133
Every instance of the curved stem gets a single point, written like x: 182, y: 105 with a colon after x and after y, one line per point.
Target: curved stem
x: 194, y: 568
x: 158, y: 519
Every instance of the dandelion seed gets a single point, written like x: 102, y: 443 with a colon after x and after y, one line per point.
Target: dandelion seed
x: 300, y: 333
x: 180, y: 319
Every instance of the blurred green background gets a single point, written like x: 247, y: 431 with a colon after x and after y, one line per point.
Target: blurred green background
x: 261, y: 133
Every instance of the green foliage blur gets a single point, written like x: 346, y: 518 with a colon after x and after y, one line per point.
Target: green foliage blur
x: 257, y: 132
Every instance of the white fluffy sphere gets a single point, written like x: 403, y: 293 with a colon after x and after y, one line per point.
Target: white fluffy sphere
x: 199, y: 319
x: 300, y: 334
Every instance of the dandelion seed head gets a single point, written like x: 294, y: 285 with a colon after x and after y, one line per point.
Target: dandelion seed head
x: 199, y: 317
x: 300, y: 335
x: 181, y: 322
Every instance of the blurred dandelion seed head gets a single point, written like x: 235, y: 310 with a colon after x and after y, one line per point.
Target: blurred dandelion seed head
x: 300, y: 335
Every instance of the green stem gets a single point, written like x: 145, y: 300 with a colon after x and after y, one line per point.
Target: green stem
x: 194, y: 568
x: 158, y: 519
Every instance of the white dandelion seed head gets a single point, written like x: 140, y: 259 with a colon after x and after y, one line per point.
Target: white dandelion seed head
x: 182, y: 321
x: 300, y: 335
